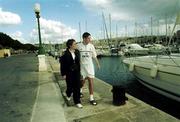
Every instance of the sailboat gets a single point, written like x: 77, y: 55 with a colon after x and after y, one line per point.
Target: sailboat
x: 160, y: 73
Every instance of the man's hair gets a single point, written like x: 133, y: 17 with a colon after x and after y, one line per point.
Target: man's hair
x: 69, y: 43
x: 85, y: 35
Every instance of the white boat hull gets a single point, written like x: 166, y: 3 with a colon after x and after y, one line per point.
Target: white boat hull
x: 167, y: 78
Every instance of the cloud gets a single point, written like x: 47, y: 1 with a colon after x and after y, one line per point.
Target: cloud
x: 96, y: 4
x: 18, y: 35
x: 9, y: 18
x: 53, y: 32
x: 127, y: 10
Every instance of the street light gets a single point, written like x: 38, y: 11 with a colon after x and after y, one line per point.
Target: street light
x: 37, y: 12
x: 41, y: 52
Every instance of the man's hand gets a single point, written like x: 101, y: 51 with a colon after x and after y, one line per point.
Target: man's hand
x: 97, y: 62
x: 64, y: 77
x: 98, y: 65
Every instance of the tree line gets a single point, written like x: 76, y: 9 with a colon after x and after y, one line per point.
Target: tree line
x: 7, y: 42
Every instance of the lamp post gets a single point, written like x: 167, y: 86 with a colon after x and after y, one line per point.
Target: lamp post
x: 37, y: 12
x: 41, y: 52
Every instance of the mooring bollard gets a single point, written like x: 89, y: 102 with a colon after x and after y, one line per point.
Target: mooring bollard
x: 119, y: 97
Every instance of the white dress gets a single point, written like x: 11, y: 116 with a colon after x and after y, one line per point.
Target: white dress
x: 87, y: 53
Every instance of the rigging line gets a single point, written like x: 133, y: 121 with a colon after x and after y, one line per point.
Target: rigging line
x: 174, y: 61
x: 106, y: 29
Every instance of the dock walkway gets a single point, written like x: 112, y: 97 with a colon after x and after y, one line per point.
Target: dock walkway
x: 133, y: 111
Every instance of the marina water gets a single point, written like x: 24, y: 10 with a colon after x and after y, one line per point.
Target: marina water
x: 114, y: 72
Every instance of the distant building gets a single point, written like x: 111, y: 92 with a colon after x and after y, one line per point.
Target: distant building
x: 5, y: 53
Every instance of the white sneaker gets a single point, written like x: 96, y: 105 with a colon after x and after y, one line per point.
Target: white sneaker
x: 79, y: 105
x: 67, y: 98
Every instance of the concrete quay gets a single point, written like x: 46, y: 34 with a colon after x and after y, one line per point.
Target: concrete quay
x: 133, y: 111
x: 48, y: 106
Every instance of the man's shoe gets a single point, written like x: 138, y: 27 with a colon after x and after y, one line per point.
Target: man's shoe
x: 93, y: 102
x: 79, y: 105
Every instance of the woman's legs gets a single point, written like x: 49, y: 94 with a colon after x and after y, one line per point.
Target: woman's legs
x: 69, y: 86
x: 76, y: 88
x: 76, y: 95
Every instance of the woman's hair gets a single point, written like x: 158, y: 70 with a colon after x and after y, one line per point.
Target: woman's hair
x: 85, y: 35
x: 69, y: 43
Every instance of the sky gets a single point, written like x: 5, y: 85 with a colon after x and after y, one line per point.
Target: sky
x: 63, y: 19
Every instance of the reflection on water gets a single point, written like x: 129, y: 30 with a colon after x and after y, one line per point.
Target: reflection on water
x: 114, y: 72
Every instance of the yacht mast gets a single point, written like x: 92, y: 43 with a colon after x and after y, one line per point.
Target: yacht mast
x: 105, y: 27
x: 110, y: 26
x: 80, y: 31
x: 166, y: 28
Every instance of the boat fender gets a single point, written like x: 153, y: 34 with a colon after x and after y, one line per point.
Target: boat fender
x: 153, y: 71
x: 131, y: 67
